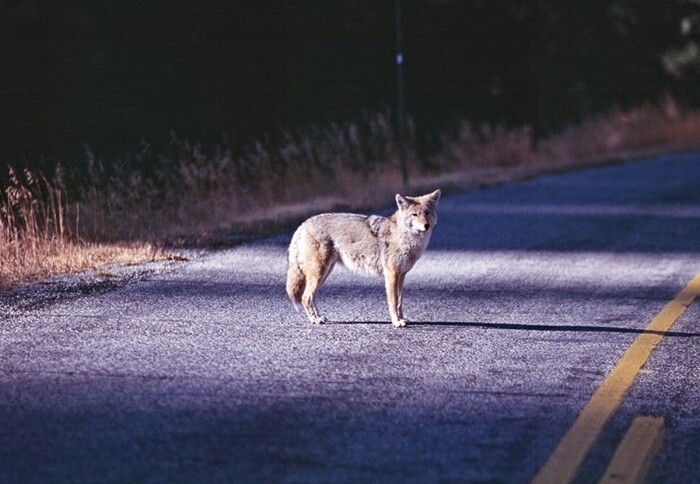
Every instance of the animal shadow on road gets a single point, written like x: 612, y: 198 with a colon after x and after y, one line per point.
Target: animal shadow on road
x: 529, y: 327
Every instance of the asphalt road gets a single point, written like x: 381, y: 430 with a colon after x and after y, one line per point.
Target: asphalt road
x: 525, y: 300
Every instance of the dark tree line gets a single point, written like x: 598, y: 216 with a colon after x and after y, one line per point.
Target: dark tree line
x: 110, y: 72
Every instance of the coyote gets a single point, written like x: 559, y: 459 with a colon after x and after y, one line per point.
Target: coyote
x: 387, y: 246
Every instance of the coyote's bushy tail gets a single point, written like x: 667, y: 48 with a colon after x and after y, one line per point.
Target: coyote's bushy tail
x: 296, y: 280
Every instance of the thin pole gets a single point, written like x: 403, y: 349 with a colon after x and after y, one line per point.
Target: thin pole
x: 400, y: 96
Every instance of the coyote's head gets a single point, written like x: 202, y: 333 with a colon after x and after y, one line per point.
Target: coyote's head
x: 418, y: 214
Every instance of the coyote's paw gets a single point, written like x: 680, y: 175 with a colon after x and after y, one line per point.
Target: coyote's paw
x: 319, y: 320
x: 399, y: 323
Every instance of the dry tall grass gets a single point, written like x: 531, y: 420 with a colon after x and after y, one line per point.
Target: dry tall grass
x: 36, y: 240
x: 352, y: 166
x: 188, y: 192
x: 181, y: 192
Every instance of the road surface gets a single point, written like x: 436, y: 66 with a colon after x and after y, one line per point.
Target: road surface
x: 526, y: 299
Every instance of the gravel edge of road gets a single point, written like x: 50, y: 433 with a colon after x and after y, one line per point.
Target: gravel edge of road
x: 35, y: 296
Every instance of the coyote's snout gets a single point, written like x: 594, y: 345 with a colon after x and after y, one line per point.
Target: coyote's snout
x: 387, y: 246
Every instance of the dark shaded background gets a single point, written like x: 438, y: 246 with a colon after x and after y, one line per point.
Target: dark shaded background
x: 112, y: 72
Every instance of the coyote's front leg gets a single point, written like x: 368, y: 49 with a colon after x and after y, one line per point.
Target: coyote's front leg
x: 393, y: 280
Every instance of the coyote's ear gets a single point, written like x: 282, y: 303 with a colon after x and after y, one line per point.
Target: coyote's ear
x: 435, y: 196
x: 402, y: 202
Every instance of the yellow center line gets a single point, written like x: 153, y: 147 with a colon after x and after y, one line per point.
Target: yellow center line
x: 564, y: 462
x: 634, y: 456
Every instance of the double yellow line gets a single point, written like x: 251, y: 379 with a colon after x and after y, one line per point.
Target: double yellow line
x: 567, y: 457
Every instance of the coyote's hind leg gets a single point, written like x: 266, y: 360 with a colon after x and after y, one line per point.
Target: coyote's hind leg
x: 317, y: 269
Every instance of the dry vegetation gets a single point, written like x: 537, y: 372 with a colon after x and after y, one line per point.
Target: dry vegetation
x: 127, y: 208
x: 37, y: 241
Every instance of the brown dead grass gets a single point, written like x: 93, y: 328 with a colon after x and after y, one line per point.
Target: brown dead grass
x: 37, y: 239
x: 61, y: 257
x: 480, y: 156
x: 351, y: 167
